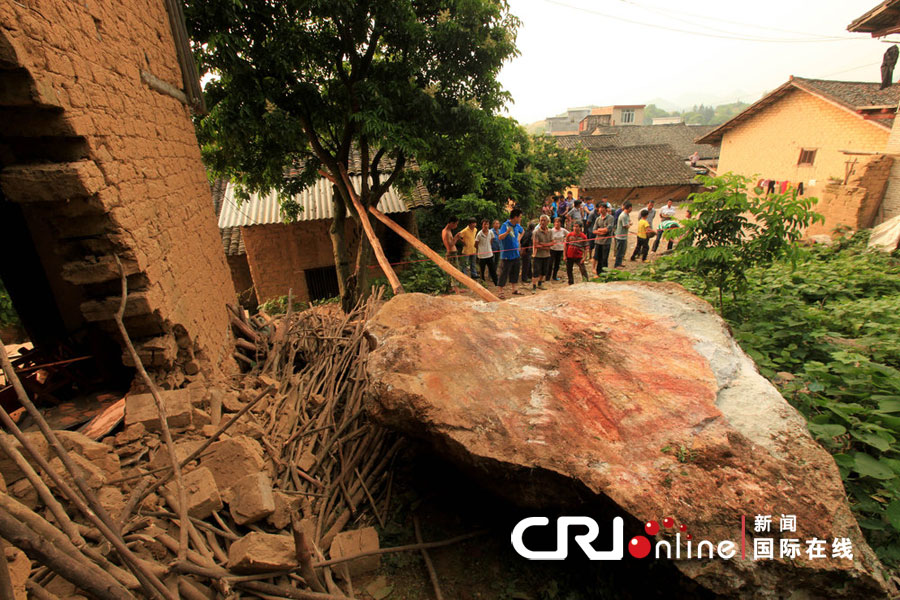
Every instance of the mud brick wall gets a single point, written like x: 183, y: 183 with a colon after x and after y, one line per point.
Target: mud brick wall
x: 137, y: 175
x: 856, y: 204
x: 278, y: 254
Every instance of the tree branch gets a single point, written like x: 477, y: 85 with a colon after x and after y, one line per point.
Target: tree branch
x: 378, y: 191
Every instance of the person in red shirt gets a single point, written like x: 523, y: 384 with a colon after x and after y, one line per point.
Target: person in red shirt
x: 576, y: 242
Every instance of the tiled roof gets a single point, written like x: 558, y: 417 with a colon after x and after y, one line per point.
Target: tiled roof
x: 854, y: 96
x: 232, y: 241
x: 635, y: 166
x: 678, y: 136
x: 315, y: 202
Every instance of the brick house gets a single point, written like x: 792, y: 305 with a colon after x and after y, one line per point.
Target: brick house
x: 636, y: 173
x: 640, y: 162
x: 272, y: 257
x: 881, y: 21
x: 821, y: 133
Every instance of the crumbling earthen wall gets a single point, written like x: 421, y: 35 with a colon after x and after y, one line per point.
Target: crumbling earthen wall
x: 137, y: 175
x: 857, y: 203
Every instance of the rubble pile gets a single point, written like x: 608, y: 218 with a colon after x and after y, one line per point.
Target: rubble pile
x: 283, y: 476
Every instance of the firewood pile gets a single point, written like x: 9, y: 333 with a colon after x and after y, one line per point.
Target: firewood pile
x: 268, y: 488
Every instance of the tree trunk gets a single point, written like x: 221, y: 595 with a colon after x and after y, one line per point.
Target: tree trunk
x: 364, y: 256
x: 346, y: 282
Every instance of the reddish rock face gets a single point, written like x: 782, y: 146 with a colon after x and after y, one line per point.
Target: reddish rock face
x: 638, y: 392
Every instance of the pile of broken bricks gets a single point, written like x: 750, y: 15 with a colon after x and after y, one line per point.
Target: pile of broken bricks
x: 278, y: 470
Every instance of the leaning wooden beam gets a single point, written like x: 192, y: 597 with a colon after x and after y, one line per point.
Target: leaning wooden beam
x: 437, y: 258
x: 81, y: 573
x: 183, y: 522
x: 370, y: 233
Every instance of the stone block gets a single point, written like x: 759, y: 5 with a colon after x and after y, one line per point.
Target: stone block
x: 262, y: 552
x: 141, y: 408
x: 202, y: 493
x: 233, y: 459
x: 352, y: 542
x: 250, y: 499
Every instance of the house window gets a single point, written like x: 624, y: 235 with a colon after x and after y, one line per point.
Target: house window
x: 321, y: 283
x: 627, y: 116
x: 807, y: 158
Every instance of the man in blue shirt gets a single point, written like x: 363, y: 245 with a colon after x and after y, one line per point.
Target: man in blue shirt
x: 510, y: 261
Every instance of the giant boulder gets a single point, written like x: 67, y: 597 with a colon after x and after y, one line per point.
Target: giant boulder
x: 638, y: 393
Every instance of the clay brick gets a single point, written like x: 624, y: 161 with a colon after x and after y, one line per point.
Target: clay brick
x: 99, y: 454
x: 183, y: 449
x: 352, y: 542
x: 285, y: 506
x: 232, y: 459
x: 203, y: 494
x: 250, y: 499
x: 19, y: 567
x: 262, y: 552
x: 141, y: 408
x: 93, y: 475
x: 8, y: 469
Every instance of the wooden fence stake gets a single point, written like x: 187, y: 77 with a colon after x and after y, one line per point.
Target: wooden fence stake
x: 437, y: 258
x: 370, y: 233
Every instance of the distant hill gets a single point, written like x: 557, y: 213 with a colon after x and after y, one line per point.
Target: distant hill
x: 537, y: 128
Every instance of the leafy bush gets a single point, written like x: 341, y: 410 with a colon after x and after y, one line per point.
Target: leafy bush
x: 733, y: 230
x: 421, y: 276
x: 278, y: 306
x: 8, y: 314
x: 827, y: 331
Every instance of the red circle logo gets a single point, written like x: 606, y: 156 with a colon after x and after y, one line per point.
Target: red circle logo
x: 639, y: 546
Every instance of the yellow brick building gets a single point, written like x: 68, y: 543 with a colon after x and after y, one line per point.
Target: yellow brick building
x: 806, y: 130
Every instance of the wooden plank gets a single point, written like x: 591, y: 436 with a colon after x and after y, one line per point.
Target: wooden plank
x: 101, y: 425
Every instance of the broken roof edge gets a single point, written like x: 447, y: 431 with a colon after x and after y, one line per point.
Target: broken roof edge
x: 866, y: 23
x: 714, y: 137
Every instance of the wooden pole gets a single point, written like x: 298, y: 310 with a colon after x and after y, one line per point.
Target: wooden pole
x: 370, y: 233
x: 437, y: 258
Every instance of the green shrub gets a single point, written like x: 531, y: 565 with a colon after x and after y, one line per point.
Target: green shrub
x: 827, y: 332
x: 8, y: 314
x: 422, y: 275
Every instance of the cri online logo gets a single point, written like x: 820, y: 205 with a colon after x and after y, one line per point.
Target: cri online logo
x: 762, y: 546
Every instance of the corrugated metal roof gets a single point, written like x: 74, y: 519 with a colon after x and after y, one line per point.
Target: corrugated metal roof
x: 314, y: 200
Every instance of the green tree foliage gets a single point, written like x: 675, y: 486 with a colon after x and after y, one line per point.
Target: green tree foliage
x: 302, y: 83
x: 518, y: 167
x: 826, y: 329
x: 697, y: 115
x: 733, y: 230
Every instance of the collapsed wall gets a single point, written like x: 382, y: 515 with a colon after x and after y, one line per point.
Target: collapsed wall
x: 96, y: 164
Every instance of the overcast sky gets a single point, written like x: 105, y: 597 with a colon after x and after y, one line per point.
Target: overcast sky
x: 582, y: 52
